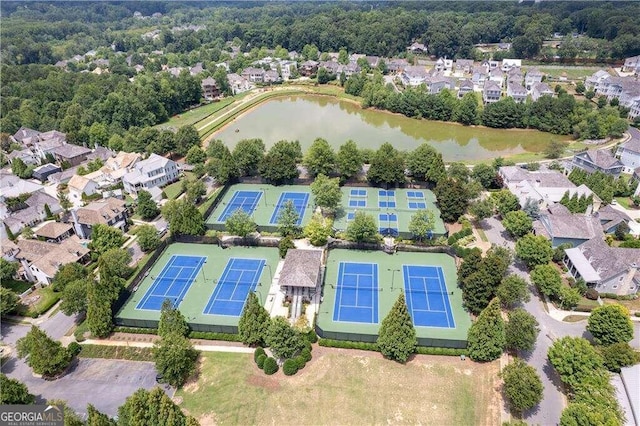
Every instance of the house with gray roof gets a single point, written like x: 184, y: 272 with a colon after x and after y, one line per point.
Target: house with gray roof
x: 72, y: 154
x: 43, y: 172
x: 597, y: 160
x: 23, y: 134
x: 610, y: 218
x: 63, y: 176
x: 491, y: 92
x: 414, y: 75
x: 54, y: 232
x: 539, y: 90
x: 632, y: 64
x: 607, y: 269
x: 534, y: 75
x: 517, y: 92
x: 26, y: 155
x: 154, y: 171
x: 564, y: 227
x: 466, y: 86
x: 629, y: 152
x: 464, y: 66
x: 396, y: 65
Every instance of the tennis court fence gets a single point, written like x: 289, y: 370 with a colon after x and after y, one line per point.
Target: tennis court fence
x: 372, y: 338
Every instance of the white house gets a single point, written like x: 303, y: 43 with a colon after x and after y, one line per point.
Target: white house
x: 79, y: 185
x: 41, y: 260
x: 629, y: 152
x: 507, y: 64
x: 154, y: 171
x: 414, y: 75
x: 534, y: 75
x: 491, y: 92
x: 541, y: 89
x: 517, y: 92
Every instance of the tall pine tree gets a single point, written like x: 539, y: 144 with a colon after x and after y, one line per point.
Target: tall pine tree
x: 487, y: 338
x: 397, y: 337
x: 254, y: 322
x: 171, y: 320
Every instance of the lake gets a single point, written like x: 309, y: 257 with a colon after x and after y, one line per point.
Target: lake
x: 307, y: 117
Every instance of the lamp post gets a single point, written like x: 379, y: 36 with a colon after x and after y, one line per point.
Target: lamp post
x: 393, y: 276
x: 202, y: 269
x: 264, y: 195
x: 270, y: 271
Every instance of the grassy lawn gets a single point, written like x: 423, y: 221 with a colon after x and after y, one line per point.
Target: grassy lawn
x: 572, y: 73
x: 39, y: 302
x: 587, y: 305
x: 196, y: 114
x: 17, y: 286
x: 339, y: 387
x: 632, y: 305
x: 575, y: 318
x: 173, y: 190
x: 116, y: 352
x: 205, y: 205
x: 625, y: 202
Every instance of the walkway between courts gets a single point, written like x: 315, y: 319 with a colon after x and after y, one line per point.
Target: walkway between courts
x: 147, y: 340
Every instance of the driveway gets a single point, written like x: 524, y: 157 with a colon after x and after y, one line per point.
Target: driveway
x: 550, y: 408
x: 104, y: 383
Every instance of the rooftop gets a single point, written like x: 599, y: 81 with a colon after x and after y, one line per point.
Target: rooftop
x: 53, y: 230
x: 101, y: 211
x: 71, y: 151
x: 301, y: 268
x: 48, y: 257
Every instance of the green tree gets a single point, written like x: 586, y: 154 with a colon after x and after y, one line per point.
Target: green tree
x: 534, y: 250
x: 103, y: 238
x: 513, y: 291
x: 146, y: 207
x: 518, y: 223
x: 555, y: 149
x: 326, y: 192
x: 466, y: 111
x: 320, y: 158
x: 397, y: 336
x: 20, y: 169
x: 254, y: 322
x: 8, y: 301
x: 547, y: 279
x: 99, y: 314
x: 618, y: 355
x: 318, y: 230
x: 574, y: 359
x: 521, y: 330
x: 349, y: 160
x: 152, y: 407
x: 196, y: 155
x: 579, y: 413
x: 43, y: 354
x: 186, y: 137
x: 115, y: 263
x: 280, y: 163
x: 14, y: 392
x: 183, y: 217
x: 8, y: 269
x: 96, y: 418
x: 362, y: 229
x: 505, y: 202
x: 522, y: 386
x: 482, y: 209
x: 240, y: 223
x: 67, y: 273
x: 452, y: 199
x: 610, y: 324
x: 194, y: 190
x: 422, y: 224
x: 288, y: 220
x: 387, y: 166
x: 486, y: 338
x: 284, y: 340
x: 74, y: 296
x: 148, y: 238
x: 175, y: 358
x: 425, y: 163
x: 485, y: 174
x: 568, y: 297
x: 248, y: 155
x: 171, y: 320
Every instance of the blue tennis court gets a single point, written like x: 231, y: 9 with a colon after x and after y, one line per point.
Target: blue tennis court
x: 299, y: 200
x: 173, y: 282
x: 388, y: 224
x: 357, y: 293
x: 241, y: 200
x: 358, y: 198
x: 386, y: 199
x: 415, y: 200
x: 427, y: 296
x: 240, y: 276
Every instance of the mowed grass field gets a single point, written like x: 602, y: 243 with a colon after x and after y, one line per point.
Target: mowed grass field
x: 343, y: 387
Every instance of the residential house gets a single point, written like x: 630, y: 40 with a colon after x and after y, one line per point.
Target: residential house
x: 300, y: 276
x: 414, y: 75
x: 41, y: 260
x: 464, y: 66
x: 610, y: 218
x: 72, y: 154
x: 395, y: 65
x: 63, y: 176
x: 491, y: 92
x: 196, y: 69
x: 54, y: 232
x: 332, y: 67
x: 629, y: 152
x: 46, y: 143
x: 632, y: 64
x: 307, y: 68
x: 562, y: 226
x: 436, y: 84
x: 417, y: 48
x: 514, y: 75
x: 497, y: 76
x: 517, y: 92
x: 110, y: 211
x: 634, y: 110
x: 490, y: 65
x: 101, y: 153
x: 539, y: 90
x: 255, y: 75
x: 351, y: 68
x: 24, y: 135
x: 443, y: 64
x: 12, y: 186
x: 507, y: 64
x: 154, y: 171
x: 272, y: 76
x: 607, y: 269
x: 534, y: 76
x: 373, y: 61
x: 544, y: 187
x: 238, y: 84
x: 26, y: 155
x: 210, y: 89
x: 479, y: 76
x: 597, y: 160
x: 43, y: 172
x: 466, y: 86
x: 40, y: 200
x: 79, y: 186
x: 593, y: 82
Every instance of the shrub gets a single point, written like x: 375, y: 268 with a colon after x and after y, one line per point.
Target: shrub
x: 260, y: 360
x: 290, y: 367
x: 466, y: 231
x: 133, y: 330
x: 284, y: 245
x: 74, y: 348
x: 618, y: 355
x: 592, y: 294
x: 300, y: 362
x: 306, y: 355
x: 311, y: 336
x: 345, y: 344
x: 270, y: 366
x: 257, y: 353
x: 424, y: 350
x: 207, y: 335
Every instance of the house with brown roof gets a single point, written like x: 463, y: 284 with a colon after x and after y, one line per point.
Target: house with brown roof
x: 110, y: 211
x: 300, y: 277
x: 41, y: 260
x: 72, y: 154
x: 210, y: 89
x: 607, y: 269
x: 79, y: 185
x: 54, y: 232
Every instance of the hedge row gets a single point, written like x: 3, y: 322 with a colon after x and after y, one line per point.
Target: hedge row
x: 208, y: 335
x: 464, y: 232
x: 617, y: 297
x: 345, y: 344
x: 426, y: 350
x: 133, y: 330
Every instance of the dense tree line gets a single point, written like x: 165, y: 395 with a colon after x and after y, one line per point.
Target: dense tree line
x: 44, y: 33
